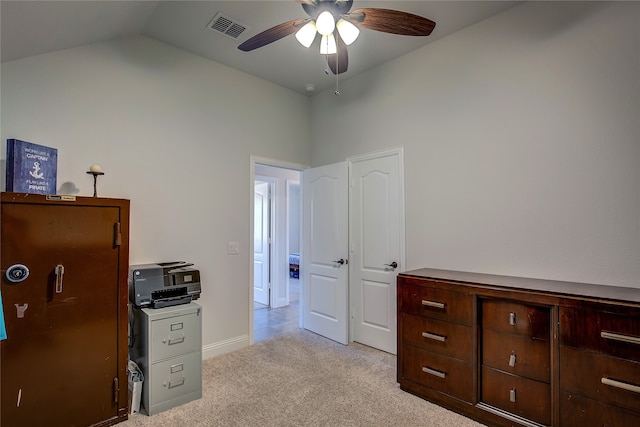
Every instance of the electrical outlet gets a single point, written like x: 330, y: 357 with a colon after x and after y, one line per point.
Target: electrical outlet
x: 234, y: 248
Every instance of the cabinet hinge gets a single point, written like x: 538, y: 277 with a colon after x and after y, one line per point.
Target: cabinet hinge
x: 116, y: 389
x: 117, y: 235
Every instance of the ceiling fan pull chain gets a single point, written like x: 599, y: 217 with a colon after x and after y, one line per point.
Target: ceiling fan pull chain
x: 337, y: 92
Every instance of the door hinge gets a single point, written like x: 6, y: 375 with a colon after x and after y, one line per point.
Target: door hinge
x: 117, y: 235
x: 116, y: 389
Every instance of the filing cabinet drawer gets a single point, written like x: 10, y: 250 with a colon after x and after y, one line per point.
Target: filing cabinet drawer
x: 608, y: 379
x: 516, y: 318
x: 603, y: 331
x: 441, y: 337
x: 446, y: 374
x: 172, y: 336
x: 174, y: 379
x: 520, y: 396
x: 451, y: 306
x: 580, y: 411
x: 516, y: 354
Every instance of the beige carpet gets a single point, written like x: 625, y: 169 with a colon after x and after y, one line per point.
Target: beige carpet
x: 302, y: 379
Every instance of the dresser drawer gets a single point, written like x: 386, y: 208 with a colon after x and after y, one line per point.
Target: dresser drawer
x: 172, y: 336
x: 580, y: 411
x: 445, y: 374
x: 517, y: 318
x: 602, y: 331
x: 521, y: 396
x: 174, y: 379
x: 446, y: 338
x: 608, y: 379
x: 516, y: 354
x: 451, y: 306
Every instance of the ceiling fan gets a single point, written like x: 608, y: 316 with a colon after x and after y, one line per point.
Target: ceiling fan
x: 339, y: 28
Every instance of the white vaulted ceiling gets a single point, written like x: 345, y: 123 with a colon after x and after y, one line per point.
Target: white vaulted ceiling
x: 35, y: 27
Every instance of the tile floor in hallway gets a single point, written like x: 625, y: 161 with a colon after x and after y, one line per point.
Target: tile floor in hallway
x: 271, y: 322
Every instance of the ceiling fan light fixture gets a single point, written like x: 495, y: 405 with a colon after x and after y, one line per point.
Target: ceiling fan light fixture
x: 348, y: 32
x: 307, y: 34
x: 328, y: 45
x: 325, y: 23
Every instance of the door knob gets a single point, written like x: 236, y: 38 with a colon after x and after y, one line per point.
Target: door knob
x: 340, y: 261
x: 392, y: 266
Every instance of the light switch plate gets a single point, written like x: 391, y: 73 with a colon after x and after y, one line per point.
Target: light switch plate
x: 234, y: 248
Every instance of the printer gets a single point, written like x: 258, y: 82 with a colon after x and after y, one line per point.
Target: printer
x: 163, y: 284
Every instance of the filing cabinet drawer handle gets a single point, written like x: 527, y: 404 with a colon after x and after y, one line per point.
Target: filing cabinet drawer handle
x: 433, y: 372
x: 619, y: 337
x: 619, y: 384
x: 178, y: 383
x: 435, y: 337
x: 173, y: 341
x: 433, y: 304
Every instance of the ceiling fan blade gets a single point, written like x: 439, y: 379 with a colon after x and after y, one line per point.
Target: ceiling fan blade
x: 339, y: 62
x: 272, y: 34
x: 392, y: 21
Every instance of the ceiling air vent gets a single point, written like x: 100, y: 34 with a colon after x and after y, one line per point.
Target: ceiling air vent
x: 227, y: 26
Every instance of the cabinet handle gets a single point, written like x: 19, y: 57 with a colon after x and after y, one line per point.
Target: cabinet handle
x: 59, y: 272
x: 435, y: 337
x: 178, y: 383
x: 512, y: 319
x: 512, y: 395
x: 433, y: 304
x: 619, y: 337
x: 173, y: 341
x: 433, y: 372
x: 619, y: 384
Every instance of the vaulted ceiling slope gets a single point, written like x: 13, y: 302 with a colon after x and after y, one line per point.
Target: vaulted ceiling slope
x: 35, y: 27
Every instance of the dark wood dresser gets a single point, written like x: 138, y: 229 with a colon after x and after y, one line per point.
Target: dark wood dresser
x: 510, y: 351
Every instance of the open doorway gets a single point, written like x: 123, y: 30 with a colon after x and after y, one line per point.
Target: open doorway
x: 276, y: 257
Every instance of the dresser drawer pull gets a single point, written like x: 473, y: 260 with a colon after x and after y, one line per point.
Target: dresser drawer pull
x: 435, y: 337
x: 619, y: 337
x: 433, y: 372
x: 619, y: 384
x: 433, y: 304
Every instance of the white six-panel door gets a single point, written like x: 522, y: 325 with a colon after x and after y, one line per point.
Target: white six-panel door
x: 324, y: 262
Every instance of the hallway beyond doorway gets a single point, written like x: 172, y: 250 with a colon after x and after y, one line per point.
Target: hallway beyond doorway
x: 271, y: 322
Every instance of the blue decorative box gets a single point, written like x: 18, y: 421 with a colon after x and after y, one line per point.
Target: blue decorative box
x: 31, y: 168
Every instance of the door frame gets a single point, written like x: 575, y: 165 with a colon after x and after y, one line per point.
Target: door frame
x: 253, y: 161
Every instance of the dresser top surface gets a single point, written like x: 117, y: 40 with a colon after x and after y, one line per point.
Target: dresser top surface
x: 616, y: 293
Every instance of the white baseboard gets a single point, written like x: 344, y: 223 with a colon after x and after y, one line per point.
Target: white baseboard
x: 226, y: 346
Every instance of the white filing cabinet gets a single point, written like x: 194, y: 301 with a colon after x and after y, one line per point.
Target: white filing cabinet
x: 167, y: 347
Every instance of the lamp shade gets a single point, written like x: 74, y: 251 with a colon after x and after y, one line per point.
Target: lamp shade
x: 348, y: 32
x: 328, y: 45
x: 325, y: 23
x: 307, y: 34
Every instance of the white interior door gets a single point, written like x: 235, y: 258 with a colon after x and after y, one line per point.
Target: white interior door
x: 324, y: 260
x: 261, y: 247
x: 376, y: 212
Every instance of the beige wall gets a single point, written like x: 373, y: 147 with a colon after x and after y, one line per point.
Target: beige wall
x: 522, y: 142
x: 175, y: 134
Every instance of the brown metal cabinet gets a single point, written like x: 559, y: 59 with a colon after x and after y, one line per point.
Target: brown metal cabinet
x: 64, y: 290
